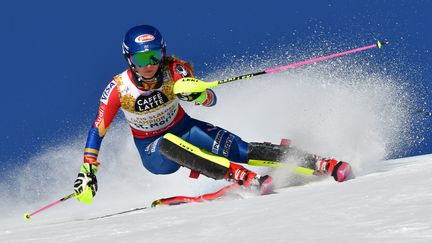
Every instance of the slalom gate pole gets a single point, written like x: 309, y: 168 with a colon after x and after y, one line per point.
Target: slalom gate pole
x: 27, y: 216
x: 187, y: 85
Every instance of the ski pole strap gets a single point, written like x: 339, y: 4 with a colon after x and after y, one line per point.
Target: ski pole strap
x: 297, y: 169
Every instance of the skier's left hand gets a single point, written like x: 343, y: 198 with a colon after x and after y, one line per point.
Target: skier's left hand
x: 192, y: 89
x: 206, y: 98
x: 189, y: 96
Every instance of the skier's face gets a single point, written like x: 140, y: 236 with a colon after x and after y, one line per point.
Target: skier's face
x: 147, y: 71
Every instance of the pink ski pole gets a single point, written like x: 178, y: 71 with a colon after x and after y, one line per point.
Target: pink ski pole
x: 27, y: 216
x: 379, y: 44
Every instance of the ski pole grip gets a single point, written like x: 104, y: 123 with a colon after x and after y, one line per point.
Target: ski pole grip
x: 192, y: 85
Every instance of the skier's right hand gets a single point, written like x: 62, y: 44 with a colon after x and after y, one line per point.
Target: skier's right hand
x: 85, y: 186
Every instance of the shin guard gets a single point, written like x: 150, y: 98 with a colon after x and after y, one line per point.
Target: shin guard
x: 194, y: 158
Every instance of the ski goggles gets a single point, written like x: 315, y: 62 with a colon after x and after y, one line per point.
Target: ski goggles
x: 143, y: 59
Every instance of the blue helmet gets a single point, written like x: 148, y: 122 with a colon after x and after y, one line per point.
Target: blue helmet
x: 140, y: 39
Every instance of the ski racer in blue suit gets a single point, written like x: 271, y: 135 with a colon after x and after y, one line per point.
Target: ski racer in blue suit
x: 144, y: 93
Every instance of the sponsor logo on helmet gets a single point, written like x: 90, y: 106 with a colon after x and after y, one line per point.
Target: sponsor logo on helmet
x: 144, y: 38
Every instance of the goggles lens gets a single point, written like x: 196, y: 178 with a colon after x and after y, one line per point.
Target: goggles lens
x: 145, y: 58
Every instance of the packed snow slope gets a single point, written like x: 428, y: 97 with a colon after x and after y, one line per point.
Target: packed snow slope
x: 393, y: 204
x: 343, y: 108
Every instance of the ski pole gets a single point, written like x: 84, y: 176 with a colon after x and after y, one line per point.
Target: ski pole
x: 188, y: 85
x: 27, y: 216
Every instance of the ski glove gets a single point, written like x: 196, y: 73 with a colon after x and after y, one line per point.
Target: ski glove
x: 192, y: 89
x: 85, y: 186
x: 189, y: 96
x: 206, y: 98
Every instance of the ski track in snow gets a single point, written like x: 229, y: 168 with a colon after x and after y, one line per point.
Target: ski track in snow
x: 349, y: 113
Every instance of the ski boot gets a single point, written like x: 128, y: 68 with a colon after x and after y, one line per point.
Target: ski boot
x: 268, y: 151
x: 249, y: 179
x: 340, y: 170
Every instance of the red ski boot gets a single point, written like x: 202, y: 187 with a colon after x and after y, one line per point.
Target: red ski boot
x: 249, y: 178
x: 341, y: 171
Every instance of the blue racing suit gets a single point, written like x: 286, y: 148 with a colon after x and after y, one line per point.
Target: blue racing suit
x: 153, y: 111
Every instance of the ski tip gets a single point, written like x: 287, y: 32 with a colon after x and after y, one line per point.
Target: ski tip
x: 381, y: 43
x: 27, y: 216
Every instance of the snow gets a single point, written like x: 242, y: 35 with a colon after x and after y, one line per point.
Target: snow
x: 392, y: 205
x: 342, y: 110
